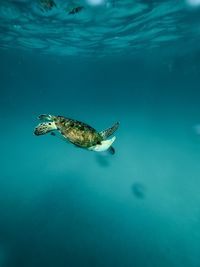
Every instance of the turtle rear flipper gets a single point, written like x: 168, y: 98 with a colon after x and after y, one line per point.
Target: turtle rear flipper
x: 108, y: 132
x: 103, y: 146
x: 111, y: 150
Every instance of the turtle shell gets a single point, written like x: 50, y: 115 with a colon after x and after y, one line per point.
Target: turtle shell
x: 77, y: 132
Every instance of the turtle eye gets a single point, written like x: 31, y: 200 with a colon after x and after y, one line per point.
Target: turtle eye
x: 49, y: 123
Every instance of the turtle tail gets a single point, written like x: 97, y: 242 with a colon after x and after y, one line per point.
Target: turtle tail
x: 108, y: 132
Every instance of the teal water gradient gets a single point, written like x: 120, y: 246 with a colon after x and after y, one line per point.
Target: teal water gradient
x: 64, y: 206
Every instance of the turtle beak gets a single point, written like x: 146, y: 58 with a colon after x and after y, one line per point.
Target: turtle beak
x: 36, y: 132
x: 39, y: 130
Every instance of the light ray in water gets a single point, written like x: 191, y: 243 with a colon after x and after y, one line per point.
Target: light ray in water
x: 96, y: 2
x: 193, y: 2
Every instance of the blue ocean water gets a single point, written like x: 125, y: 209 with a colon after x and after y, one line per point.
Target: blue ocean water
x: 136, y: 62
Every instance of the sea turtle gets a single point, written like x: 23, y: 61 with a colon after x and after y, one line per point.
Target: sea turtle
x: 75, y: 10
x: 78, y: 133
x: 47, y: 5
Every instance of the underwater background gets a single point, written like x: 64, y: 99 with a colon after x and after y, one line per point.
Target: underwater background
x: 136, y: 62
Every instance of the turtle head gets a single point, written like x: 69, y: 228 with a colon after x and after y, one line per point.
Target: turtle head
x: 45, y: 127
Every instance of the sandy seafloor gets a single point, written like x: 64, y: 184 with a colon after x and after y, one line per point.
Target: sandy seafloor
x: 61, y: 206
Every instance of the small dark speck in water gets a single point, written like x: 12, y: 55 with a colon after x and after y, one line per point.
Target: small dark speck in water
x: 138, y: 190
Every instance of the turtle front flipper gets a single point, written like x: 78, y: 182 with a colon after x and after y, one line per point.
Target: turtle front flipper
x: 45, y: 127
x: 46, y: 117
